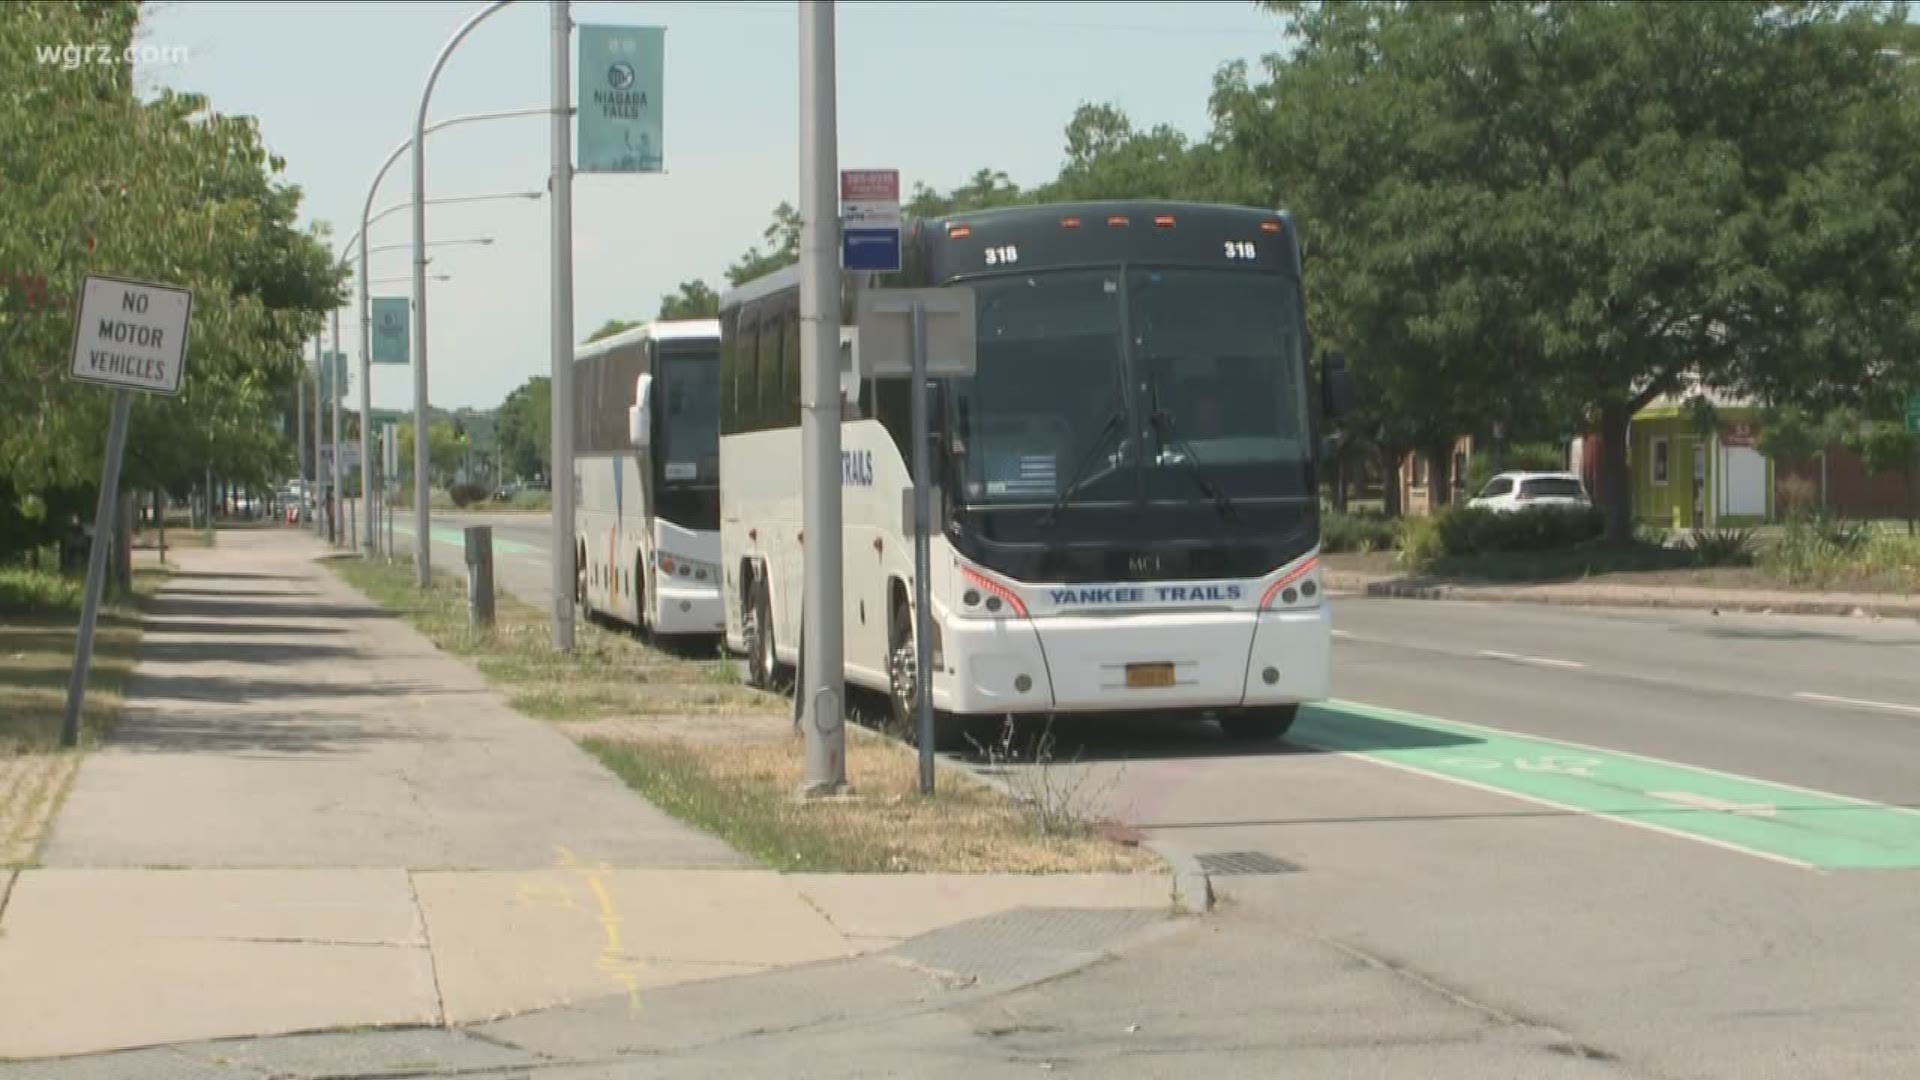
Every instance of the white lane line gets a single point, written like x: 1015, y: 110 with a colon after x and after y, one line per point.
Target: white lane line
x: 1343, y: 633
x: 1543, y: 661
x: 1890, y: 706
x: 1706, y: 802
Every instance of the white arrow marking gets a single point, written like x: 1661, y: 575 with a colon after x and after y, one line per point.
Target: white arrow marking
x: 1706, y: 802
x: 1542, y: 661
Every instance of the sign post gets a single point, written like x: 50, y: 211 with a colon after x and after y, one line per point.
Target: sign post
x: 886, y: 317
x: 870, y: 220
x: 131, y: 336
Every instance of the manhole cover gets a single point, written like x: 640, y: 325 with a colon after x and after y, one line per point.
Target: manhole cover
x: 1245, y: 862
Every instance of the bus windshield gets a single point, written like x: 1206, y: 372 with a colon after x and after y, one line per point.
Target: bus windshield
x: 1046, y: 384
x: 690, y: 418
x: 1210, y: 387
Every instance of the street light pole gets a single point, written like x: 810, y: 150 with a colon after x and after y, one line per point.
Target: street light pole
x: 561, y: 553
x: 336, y: 392
x: 821, y: 644
x: 422, y: 538
x: 319, y: 482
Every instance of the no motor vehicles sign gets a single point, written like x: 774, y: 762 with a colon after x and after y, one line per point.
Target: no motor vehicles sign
x: 131, y: 334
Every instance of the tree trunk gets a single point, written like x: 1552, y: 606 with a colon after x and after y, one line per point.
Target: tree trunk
x: 123, y: 542
x: 160, y: 523
x: 1340, y: 483
x: 1616, y: 485
x: 1391, y: 496
x: 1440, y: 477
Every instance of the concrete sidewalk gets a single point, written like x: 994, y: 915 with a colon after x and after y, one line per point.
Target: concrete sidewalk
x: 311, y: 819
x: 1605, y: 594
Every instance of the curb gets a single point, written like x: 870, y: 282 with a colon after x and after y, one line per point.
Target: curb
x: 1409, y: 590
x: 1192, y: 888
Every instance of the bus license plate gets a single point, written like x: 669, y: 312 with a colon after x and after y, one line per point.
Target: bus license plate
x: 1144, y: 676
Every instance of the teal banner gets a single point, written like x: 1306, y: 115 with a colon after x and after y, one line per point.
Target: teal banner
x: 390, y: 329
x: 333, y: 375
x: 621, y: 75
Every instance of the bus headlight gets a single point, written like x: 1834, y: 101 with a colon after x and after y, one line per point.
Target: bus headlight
x: 686, y: 569
x: 1299, y: 587
x: 983, y: 597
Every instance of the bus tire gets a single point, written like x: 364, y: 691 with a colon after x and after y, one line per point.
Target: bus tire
x: 1259, y: 722
x: 640, y: 610
x: 580, y: 578
x: 949, y: 731
x: 761, y: 658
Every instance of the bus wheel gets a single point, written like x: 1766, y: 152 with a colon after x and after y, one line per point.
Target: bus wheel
x: 1259, y: 722
x: 758, y: 630
x: 580, y: 577
x: 902, y: 692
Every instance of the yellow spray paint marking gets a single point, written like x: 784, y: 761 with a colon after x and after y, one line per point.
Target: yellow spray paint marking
x: 613, y: 959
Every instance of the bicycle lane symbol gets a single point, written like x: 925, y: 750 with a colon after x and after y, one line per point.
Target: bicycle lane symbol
x: 1582, y: 767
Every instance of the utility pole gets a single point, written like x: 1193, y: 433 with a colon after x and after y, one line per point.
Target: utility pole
x: 561, y: 551
x: 823, y: 692
x: 299, y: 443
x: 336, y: 391
x: 319, y: 391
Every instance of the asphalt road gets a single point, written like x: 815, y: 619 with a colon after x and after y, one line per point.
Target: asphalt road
x: 1682, y: 844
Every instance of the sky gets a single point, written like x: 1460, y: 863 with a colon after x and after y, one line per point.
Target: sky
x: 934, y: 89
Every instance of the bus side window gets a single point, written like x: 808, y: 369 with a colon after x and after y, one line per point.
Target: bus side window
x: 768, y: 410
x: 893, y: 407
x: 789, y: 414
x: 746, y: 383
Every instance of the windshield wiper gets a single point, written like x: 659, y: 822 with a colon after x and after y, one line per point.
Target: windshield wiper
x: 1163, y: 425
x: 1115, y: 422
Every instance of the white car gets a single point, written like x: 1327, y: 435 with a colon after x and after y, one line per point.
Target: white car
x: 1508, y: 492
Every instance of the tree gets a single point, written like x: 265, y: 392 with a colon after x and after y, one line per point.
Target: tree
x: 524, y: 431
x: 987, y: 189
x: 1888, y: 448
x: 1602, y: 201
x: 445, y: 449
x: 695, y: 300
x: 783, y: 248
x: 610, y: 328
x: 93, y: 179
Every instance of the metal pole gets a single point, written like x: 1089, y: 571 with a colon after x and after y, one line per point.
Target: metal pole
x: 825, y: 680
x: 96, y: 567
x: 922, y: 642
x: 366, y: 402
x: 336, y: 392
x: 561, y: 556
x: 300, y: 436
x: 422, y: 536
x: 319, y: 391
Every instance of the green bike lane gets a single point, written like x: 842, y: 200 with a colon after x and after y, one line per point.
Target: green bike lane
x: 1771, y: 820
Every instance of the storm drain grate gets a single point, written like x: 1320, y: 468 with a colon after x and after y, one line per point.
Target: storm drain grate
x: 1246, y: 862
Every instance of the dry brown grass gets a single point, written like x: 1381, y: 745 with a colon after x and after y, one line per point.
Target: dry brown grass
x: 38, y: 621
x: 738, y: 777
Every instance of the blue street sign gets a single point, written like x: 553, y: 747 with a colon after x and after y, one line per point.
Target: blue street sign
x: 874, y: 251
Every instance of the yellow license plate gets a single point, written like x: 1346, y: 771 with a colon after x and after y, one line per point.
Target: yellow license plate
x: 1142, y: 676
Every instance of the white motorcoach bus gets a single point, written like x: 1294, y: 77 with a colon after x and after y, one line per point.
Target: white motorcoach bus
x: 1126, y: 498
x: 646, y: 476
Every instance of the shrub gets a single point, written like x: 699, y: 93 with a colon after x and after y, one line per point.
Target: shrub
x: 465, y: 495
x: 1460, y: 531
x: 1355, y: 532
x: 1722, y: 547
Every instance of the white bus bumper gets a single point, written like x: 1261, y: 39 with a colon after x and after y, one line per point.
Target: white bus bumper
x: 1079, y: 663
x: 679, y: 609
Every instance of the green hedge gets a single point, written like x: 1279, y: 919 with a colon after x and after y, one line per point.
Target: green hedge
x: 1461, y: 531
x: 1357, y: 532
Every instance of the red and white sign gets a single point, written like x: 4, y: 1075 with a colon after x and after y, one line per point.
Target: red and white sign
x: 1739, y: 434
x: 870, y: 198
x: 870, y: 185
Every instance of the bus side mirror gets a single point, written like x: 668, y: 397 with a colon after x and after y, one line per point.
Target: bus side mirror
x: 1337, y: 392
x: 639, y: 431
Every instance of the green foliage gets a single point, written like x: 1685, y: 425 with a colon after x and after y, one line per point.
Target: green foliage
x: 783, y: 248
x: 445, y: 449
x: 1459, y: 531
x: 1356, y: 532
x: 1826, y: 553
x: 465, y: 495
x: 1723, y: 547
x: 610, y: 328
x: 523, y: 430
x: 1792, y: 434
x: 1590, y: 204
x: 95, y: 180
x: 695, y: 300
